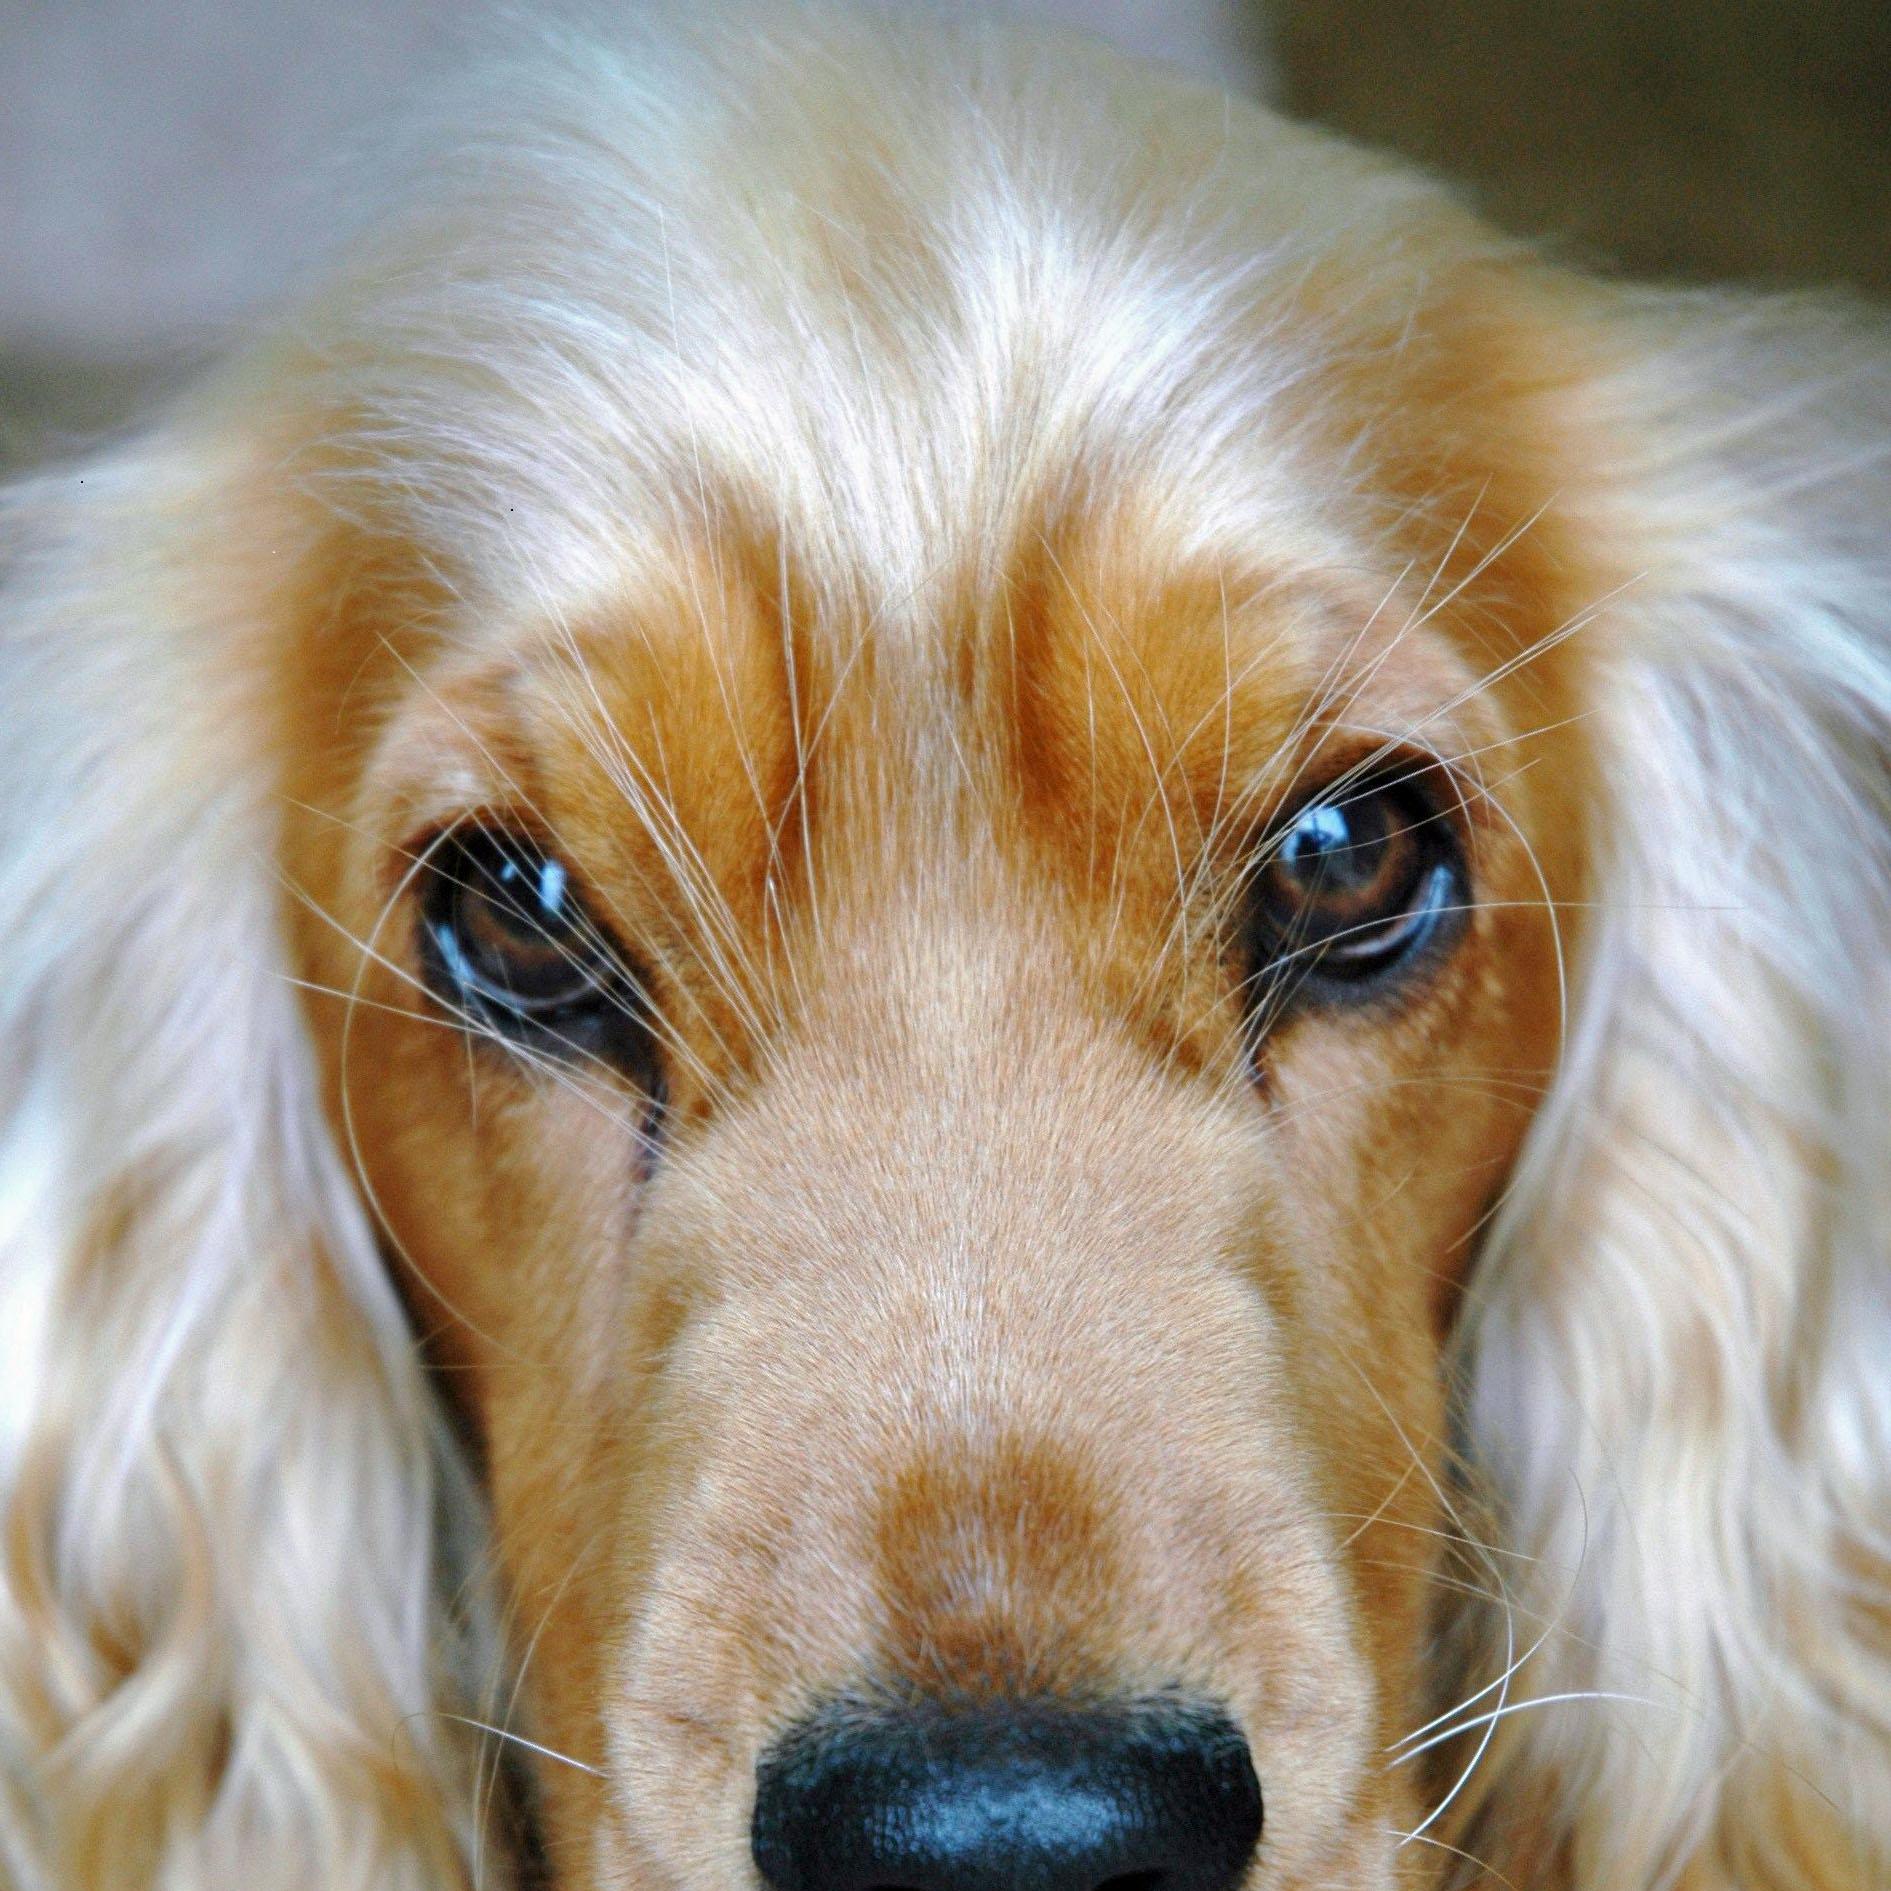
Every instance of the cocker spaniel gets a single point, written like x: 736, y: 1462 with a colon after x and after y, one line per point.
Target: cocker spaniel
x: 936, y: 970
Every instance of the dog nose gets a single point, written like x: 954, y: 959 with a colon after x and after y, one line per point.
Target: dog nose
x: 1026, y: 1797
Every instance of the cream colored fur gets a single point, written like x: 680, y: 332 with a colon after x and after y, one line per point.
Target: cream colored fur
x: 1684, y: 1321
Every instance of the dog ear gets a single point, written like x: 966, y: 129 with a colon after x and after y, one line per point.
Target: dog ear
x: 1680, y: 1350
x: 221, y: 1657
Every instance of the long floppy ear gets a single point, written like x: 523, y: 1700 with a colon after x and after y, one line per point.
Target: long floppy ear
x: 1681, y: 1355
x: 221, y: 1486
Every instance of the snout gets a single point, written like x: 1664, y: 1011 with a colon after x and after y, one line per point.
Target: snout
x: 1039, y: 1796
x: 971, y: 1526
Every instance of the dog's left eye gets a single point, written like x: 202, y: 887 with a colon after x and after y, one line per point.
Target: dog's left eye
x: 1354, y: 888
x: 507, y: 941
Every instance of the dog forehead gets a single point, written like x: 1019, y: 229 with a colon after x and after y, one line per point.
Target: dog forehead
x: 926, y: 410
x: 893, y: 298
x: 890, y: 454
x: 1096, y: 698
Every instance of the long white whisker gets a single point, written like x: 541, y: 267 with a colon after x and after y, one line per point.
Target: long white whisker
x: 519, y: 1740
x: 1417, y: 1746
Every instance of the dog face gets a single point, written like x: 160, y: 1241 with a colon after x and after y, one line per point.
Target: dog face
x: 1035, y: 877
x: 937, y: 1044
x: 950, y: 1231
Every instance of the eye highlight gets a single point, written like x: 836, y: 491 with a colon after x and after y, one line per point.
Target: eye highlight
x: 507, y: 942
x: 1355, y: 888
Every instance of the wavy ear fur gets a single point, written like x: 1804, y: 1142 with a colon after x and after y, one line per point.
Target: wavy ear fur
x: 1681, y: 1353
x: 219, y: 1481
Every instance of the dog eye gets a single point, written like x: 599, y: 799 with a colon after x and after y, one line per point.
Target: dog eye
x: 1354, y: 888
x: 507, y: 942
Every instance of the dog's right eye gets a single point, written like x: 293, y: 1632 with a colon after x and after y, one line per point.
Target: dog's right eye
x: 507, y: 943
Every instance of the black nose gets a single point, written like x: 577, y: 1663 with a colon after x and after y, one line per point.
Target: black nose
x: 1149, y: 1797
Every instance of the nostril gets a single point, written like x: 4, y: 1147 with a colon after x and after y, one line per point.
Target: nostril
x: 1038, y: 1796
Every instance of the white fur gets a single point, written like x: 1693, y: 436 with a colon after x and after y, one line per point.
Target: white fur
x: 1683, y: 1359
x: 220, y: 1643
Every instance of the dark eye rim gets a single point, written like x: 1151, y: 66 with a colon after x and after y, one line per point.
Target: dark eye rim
x: 1329, y: 974
x: 604, y: 1015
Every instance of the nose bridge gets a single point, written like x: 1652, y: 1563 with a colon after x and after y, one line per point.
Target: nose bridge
x: 976, y: 1088
x: 995, y: 1260
x: 994, y: 1177
x: 995, y: 1564
x: 963, y: 1144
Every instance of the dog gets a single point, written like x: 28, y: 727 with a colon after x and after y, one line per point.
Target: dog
x: 932, y: 968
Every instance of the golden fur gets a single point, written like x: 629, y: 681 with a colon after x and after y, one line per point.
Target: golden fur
x: 901, y: 510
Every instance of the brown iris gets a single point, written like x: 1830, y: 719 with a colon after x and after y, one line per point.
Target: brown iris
x: 508, y: 943
x: 1356, y: 885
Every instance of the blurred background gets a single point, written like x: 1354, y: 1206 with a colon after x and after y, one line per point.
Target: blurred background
x: 160, y: 159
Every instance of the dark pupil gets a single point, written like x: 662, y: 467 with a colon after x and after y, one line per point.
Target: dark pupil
x: 1344, y: 865
x: 1352, y: 885
x: 1322, y: 853
x: 509, y: 945
x: 513, y: 930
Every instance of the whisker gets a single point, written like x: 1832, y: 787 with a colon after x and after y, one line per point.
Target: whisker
x: 518, y: 1740
x: 1424, y: 1838
x: 1412, y: 1751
